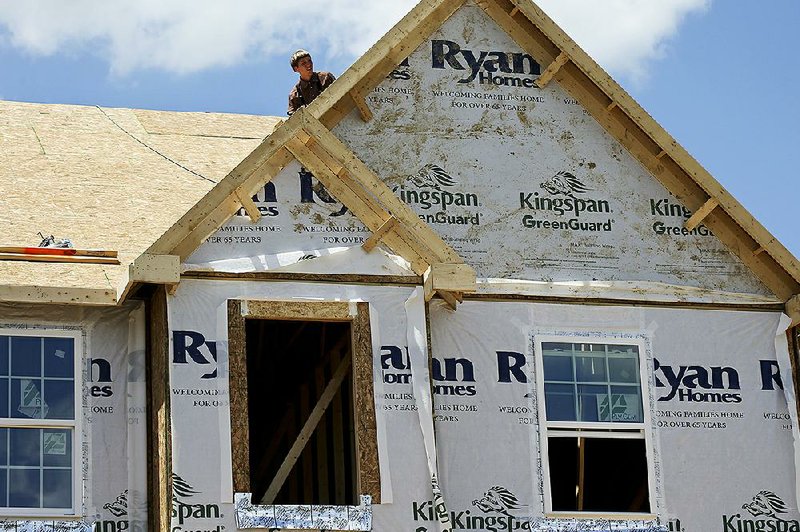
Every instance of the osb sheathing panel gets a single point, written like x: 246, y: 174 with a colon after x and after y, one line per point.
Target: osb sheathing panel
x: 73, y: 172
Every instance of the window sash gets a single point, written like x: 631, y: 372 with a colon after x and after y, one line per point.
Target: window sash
x: 73, y: 425
x: 586, y: 429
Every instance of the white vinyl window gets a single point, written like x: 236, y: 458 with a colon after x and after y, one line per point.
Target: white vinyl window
x: 39, y: 422
x: 595, y: 442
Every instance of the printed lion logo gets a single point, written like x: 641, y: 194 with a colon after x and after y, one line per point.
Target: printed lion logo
x: 432, y: 176
x: 564, y: 183
x: 498, y: 499
x: 119, y: 507
x: 765, y: 503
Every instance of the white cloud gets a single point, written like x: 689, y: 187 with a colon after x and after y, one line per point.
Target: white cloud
x: 185, y: 36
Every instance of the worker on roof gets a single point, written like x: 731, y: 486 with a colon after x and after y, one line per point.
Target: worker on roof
x: 311, y: 83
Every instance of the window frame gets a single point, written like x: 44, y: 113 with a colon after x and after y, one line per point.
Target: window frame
x: 354, y: 312
x: 587, y: 429
x: 76, y: 424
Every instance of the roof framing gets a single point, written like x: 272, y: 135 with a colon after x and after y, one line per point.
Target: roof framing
x: 307, y: 137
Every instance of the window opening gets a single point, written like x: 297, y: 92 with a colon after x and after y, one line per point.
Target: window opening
x: 595, y: 439
x: 300, y: 412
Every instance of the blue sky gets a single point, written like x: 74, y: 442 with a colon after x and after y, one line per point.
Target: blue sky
x: 721, y: 76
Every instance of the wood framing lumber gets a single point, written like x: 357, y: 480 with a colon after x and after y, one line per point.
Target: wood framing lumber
x: 551, y: 70
x: 249, y: 206
x: 308, y: 429
x: 610, y: 107
x: 361, y: 173
x: 155, y: 269
x: 59, y: 251
x: 376, y: 237
x: 700, y: 214
x: 159, y: 440
x: 449, y: 298
x: 56, y: 294
x: 58, y: 258
x: 368, y: 211
x: 792, y: 309
x: 452, y: 278
x: 361, y: 104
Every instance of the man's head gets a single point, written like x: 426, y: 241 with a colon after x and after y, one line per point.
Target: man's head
x: 302, y: 64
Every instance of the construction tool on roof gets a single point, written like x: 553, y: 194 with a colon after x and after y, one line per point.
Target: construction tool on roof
x: 51, y: 249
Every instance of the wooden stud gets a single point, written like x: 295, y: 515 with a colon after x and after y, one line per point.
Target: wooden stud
x: 361, y: 104
x: 700, y: 214
x: 376, y: 237
x: 551, y: 70
x: 159, y: 438
x: 250, y: 206
x: 308, y: 429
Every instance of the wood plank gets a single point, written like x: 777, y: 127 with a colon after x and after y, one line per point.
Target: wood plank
x: 453, y: 278
x: 249, y: 206
x: 58, y: 258
x: 59, y: 251
x: 159, y: 438
x: 376, y: 237
x: 449, y: 298
x: 551, y: 70
x: 369, y: 212
x: 361, y: 104
x: 372, y: 183
x: 307, y: 430
x: 238, y: 393
x: 58, y: 294
x: 699, y: 215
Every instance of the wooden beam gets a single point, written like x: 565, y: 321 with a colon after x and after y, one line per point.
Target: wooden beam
x: 449, y: 298
x: 792, y: 309
x: 376, y: 237
x: 58, y: 294
x: 308, y: 430
x: 59, y: 251
x: 159, y: 439
x: 453, y: 278
x: 551, y: 70
x: 371, y: 182
x: 249, y: 205
x: 74, y: 259
x: 155, y: 269
x: 361, y: 104
x: 700, y: 214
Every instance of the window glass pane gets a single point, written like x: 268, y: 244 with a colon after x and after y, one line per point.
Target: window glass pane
x: 591, y: 349
x: 57, y: 447
x: 590, y: 369
x: 558, y: 347
x: 59, y: 400
x: 560, y: 402
x: 3, y: 355
x: 626, y: 404
x: 26, y: 399
x: 59, y: 357
x: 24, y: 447
x: 623, y: 369
x: 58, y: 488
x: 630, y: 350
x: 26, y: 356
x: 3, y: 447
x: 593, y: 403
x: 24, y: 491
x: 3, y: 487
x: 558, y: 368
x: 4, y: 397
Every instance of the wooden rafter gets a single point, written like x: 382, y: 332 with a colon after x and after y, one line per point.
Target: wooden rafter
x: 700, y: 214
x: 551, y: 70
x: 361, y: 104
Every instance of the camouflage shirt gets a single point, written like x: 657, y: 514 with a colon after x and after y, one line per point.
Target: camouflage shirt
x: 306, y: 91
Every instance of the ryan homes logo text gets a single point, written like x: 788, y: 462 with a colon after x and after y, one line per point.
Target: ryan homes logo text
x: 432, y: 188
x: 565, y: 196
x: 709, y: 384
x: 511, y: 69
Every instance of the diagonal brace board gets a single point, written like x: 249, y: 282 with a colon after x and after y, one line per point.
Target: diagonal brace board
x: 308, y: 429
x: 372, y: 183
